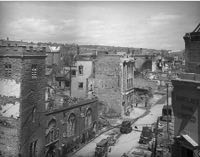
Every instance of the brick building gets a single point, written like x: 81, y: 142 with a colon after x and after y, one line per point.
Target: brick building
x: 192, y: 51
x: 112, y: 82
x: 70, y: 126
x: 22, y: 97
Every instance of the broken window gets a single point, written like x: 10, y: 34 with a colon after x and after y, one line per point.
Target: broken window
x: 67, y: 83
x: 71, y: 125
x: 34, y: 71
x: 80, y: 69
x: 32, y: 152
x: 33, y: 115
x: 73, y: 72
x: 88, y: 119
x: 53, y: 132
x: 80, y: 85
x: 60, y: 84
x: 8, y: 70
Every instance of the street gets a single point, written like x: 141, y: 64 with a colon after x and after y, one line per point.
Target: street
x: 126, y: 142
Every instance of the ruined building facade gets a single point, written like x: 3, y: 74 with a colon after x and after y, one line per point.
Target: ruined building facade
x: 112, y: 82
x: 192, y: 51
x: 186, y: 101
x: 22, y: 96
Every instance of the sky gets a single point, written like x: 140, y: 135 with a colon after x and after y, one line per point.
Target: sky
x: 157, y: 25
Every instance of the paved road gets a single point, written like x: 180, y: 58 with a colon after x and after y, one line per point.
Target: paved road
x: 126, y: 142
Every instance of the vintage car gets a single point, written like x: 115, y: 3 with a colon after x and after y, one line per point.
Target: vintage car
x: 102, y: 148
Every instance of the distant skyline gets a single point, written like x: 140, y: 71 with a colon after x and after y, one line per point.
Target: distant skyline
x: 156, y: 25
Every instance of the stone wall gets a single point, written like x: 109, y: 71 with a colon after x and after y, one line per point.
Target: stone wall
x: 192, y: 55
x: 33, y: 107
x: 87, y: 72
x: 108, y: 81
x: 185, y: 103
x: 63, y: 141
x: 9, y: 137
x: 10, y: 87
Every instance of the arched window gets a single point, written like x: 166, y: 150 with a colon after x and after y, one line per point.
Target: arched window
x: 88, y: 118
x: 71, y: 125
x: 52, y: 133
x: 34, y: 114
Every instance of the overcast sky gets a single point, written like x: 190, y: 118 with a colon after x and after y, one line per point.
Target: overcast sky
x: 159, y: 25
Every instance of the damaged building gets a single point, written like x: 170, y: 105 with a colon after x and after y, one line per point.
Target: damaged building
x: 70, y: 126
x: 186, y: 100
x: 22, y: 97
x: 112, y: 82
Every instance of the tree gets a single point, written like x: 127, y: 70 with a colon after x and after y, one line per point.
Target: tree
x: 68, y: 59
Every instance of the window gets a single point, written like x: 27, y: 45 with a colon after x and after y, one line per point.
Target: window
x: 80, y: 69
x: 34, y: 71
x: 59, y: 83
x: 88, y: 119
x: 80, y: 85
x: 8, y: 69
x: 71, y: 125
x: 33, y: 115
x: 32, y: 152
x: 73, y: 72
x: 67, y: 83
x: 53, y: 132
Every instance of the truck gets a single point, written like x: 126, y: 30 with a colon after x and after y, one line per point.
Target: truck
x: 164, y: 113
x: 101, y: 149
x: 146, y: 135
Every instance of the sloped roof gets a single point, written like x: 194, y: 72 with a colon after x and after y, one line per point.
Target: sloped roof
x: 53, y: 48
x: 190, y: 140
x: 197, y: 29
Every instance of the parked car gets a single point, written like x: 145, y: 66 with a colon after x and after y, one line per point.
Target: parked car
x: 126, y: 127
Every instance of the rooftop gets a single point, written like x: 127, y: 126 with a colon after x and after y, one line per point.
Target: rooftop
x: 195, y: 35
x: 21, y: 51
x: 78, y: 104
x: 190, y: 76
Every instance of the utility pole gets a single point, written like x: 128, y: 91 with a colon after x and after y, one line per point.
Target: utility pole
x: 167, y: 114
x: 156, y: 136
x: 70, y: 85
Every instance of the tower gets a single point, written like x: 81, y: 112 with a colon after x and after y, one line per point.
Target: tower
x: 22, y: 79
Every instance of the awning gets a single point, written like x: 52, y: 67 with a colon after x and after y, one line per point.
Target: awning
x: 190, y: 140
x: 187, y: 141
